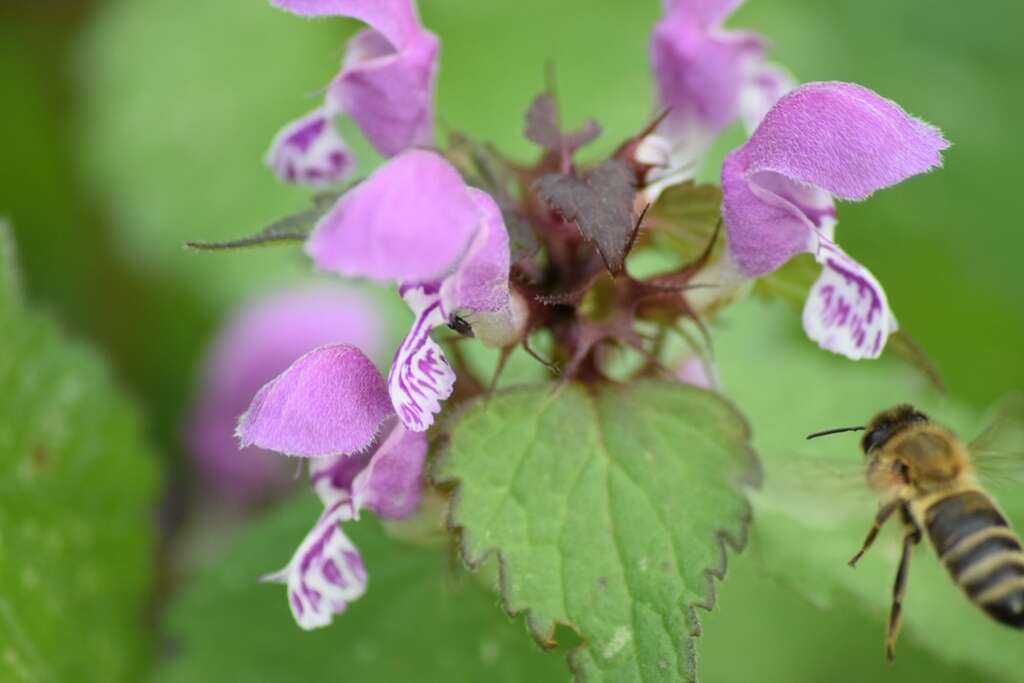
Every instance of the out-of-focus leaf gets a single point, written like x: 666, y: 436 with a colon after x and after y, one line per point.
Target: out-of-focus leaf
x: 687, y: 212
x: 601, y: 204
x: 791, y: 282
x: 418, y: 621
x: 77, y: 488
x: 610, y: 511
x: 543, y: 127
x: 811, y: 517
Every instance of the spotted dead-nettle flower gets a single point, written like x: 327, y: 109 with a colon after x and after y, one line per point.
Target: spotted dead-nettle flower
x: 416, y: 223
x: 332, y: 406
x: 819, y: 141
x: 386, y: 85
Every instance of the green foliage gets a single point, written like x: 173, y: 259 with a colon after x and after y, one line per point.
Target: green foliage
x: 419, y: 620
x: 610, y: 512
x: 76, y: 508
x: 815, y: 507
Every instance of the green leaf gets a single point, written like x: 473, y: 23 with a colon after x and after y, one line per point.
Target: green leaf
x: 417, y: 622
x: 688, y: 214
x: 77, y: 488
x: 610, y: 512
x: 815, y: 508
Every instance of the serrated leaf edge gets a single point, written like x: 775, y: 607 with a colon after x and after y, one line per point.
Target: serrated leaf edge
x: 724, y: 538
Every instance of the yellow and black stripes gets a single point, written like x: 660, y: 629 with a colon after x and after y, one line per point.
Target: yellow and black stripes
x: 981, y: 552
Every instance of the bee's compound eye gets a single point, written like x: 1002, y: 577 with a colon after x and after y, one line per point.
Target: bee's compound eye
x: 919, y: 417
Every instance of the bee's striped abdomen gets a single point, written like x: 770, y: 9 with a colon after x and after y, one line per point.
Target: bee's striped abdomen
x: 981, y: 552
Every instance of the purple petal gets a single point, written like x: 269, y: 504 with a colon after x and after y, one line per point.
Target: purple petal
x: 765, y: 85
x: 762, y: 234
x: 706, y: 12
x: 255, y: 346
x: 700, y: 72
x: 331, y: 400
x: 392, y: 483
x: 847, y: 311
x: 310, y: 151
x: 411, y: 220
x: 842, y: 138
x: 420, y: 376
x: 694, y: 370
x: 395, y: 19
x: 332, y: 476
x: 389, y: 90
x: 325, y: 573
x: 481, y: 281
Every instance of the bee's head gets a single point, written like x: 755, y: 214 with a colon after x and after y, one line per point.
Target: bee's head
x: 887, y: 424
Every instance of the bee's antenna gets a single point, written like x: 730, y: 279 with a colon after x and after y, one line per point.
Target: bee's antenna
x: 838, y: 430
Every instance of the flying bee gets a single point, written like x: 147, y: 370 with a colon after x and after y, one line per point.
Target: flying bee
x: 921, y: 471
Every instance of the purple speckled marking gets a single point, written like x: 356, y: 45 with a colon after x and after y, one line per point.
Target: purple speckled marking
x: 420, y: 377
x: 304, y: 136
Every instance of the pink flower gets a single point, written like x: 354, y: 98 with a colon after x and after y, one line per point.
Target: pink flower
x: 332, y: 406
x: 706, y: 77
x: 416, y: 223
x: 258, y: 343
x: 819, y: 141
x: 386, y: 84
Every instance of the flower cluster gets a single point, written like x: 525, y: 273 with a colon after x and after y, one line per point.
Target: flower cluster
x: 500, y: 250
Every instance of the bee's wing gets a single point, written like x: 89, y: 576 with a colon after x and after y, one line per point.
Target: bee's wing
x: 824, y: 477
x: 998, y: 452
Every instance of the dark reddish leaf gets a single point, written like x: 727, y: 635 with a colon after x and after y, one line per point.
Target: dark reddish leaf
x: 544, y: 129
x: 601, y: 204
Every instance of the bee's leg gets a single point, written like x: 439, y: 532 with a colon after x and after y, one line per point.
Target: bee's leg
x: 884, y: 512
x: 912, y: 537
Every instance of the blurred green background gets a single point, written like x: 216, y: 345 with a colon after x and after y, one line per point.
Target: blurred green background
x: 129, y: 126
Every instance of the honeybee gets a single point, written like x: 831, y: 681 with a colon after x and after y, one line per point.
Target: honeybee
x: 921, y: 471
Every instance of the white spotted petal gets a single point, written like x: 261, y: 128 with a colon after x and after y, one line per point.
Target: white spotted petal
x: 325, y: 573
x: 420, y: 376
x: 847, y: 311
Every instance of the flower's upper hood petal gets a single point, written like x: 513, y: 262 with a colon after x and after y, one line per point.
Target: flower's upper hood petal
x: 330, y: 401
x: 255, y: 346
x: 411, y: 220
x: 842, y: 138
